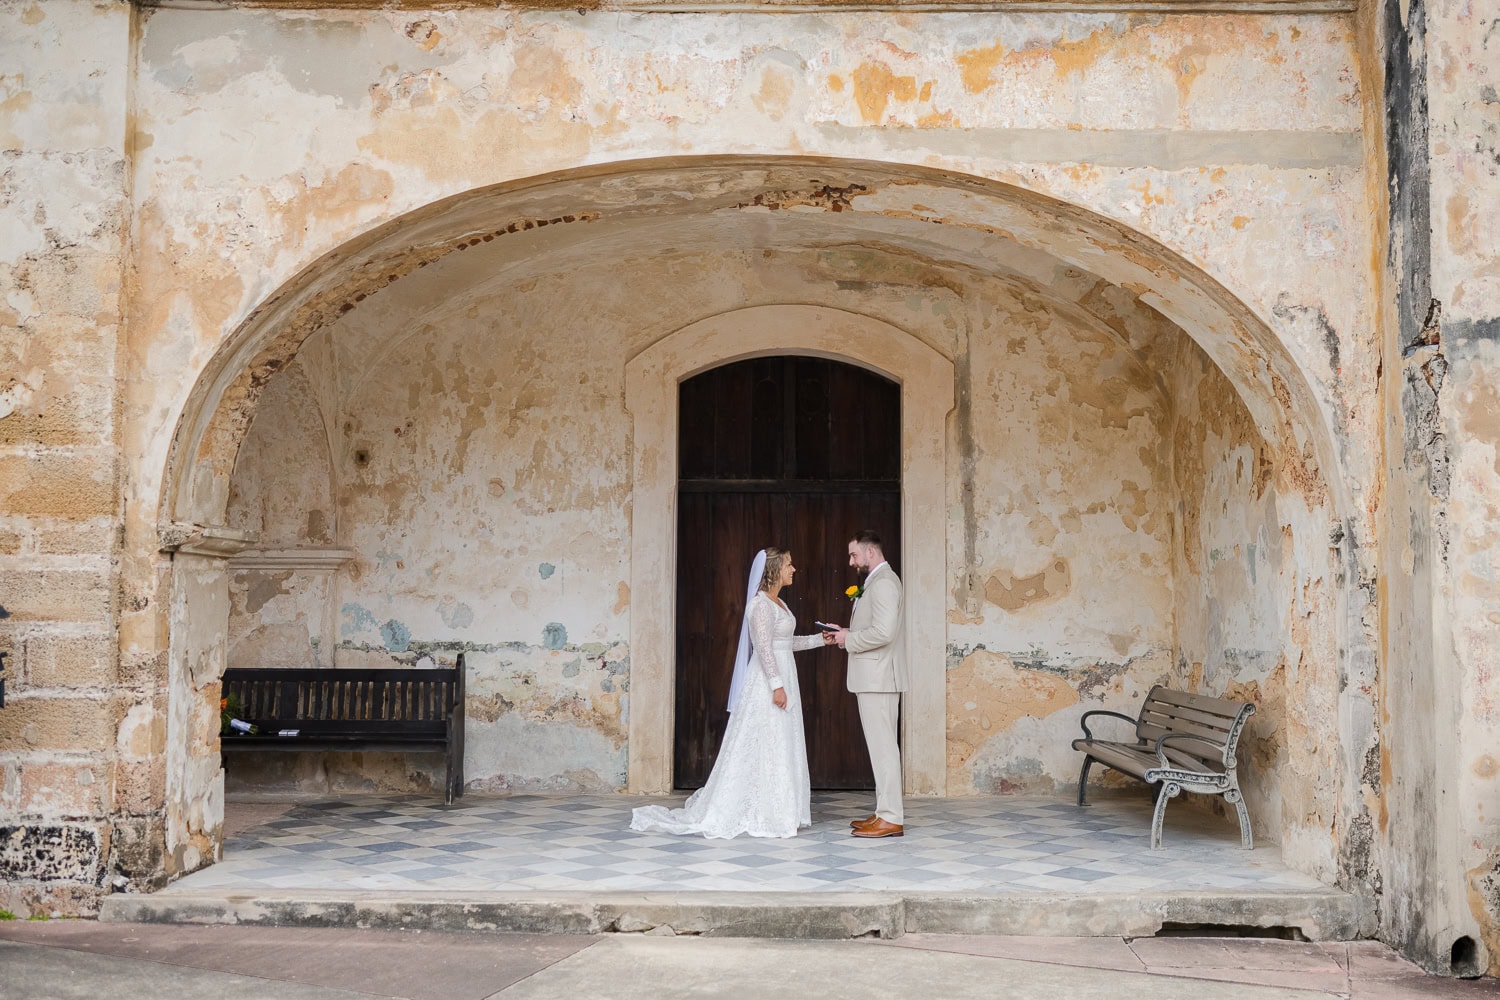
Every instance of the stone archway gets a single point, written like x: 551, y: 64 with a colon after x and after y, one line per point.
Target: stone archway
x: 651, y: 380
x: 947, y: 220
x: 964, y: 218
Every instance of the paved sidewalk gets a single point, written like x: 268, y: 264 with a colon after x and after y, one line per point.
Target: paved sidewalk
x: 84, y: 960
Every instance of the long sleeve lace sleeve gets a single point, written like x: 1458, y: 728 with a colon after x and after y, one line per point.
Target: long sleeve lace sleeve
x: 801, y: 642
x: 762, y: 638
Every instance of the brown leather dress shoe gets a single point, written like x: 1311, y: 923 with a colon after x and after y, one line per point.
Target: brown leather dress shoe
x: 855, y: 824
x: 879, y: 828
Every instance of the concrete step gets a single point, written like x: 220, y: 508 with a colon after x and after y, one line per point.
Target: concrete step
x: 1317, y: 915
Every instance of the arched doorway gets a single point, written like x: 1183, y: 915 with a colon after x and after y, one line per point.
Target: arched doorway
x: 794, y: 451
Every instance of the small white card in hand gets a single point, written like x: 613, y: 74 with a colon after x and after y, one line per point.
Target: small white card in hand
x: 826, y: 627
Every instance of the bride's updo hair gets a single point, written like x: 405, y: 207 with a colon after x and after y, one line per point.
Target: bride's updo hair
x: 775, y: 559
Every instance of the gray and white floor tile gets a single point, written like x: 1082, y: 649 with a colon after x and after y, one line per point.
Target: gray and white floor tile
x: 534, y: 842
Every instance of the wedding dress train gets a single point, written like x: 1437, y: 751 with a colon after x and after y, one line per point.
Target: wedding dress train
x: 759, y: 784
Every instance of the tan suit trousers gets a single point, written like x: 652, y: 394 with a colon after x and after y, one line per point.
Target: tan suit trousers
x: 878, y: 711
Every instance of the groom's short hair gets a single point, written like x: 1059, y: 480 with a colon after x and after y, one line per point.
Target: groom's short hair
x: 866, y: 536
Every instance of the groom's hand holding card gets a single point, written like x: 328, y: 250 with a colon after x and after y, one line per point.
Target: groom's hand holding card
x: 830, y: 632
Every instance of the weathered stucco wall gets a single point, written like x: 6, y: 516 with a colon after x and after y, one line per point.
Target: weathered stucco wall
x: 281, y: 606
x: 483, y: 456
x: 1059, y: 540
x: 1255, y: 602
x: 1464, y: 77
x: 1441, y: 321
x: 249, y: 152
x: 427, y: 105
x: 485, y: 495
x: 80, y: 736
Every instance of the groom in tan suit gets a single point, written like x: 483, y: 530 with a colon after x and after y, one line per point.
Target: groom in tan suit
x: 877, y: 676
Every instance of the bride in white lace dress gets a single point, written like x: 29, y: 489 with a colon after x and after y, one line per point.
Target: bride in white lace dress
x: 759, y: 784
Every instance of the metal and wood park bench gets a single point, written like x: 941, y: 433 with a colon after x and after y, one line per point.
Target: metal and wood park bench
x: 1184, y: 743
x: 402, y: 710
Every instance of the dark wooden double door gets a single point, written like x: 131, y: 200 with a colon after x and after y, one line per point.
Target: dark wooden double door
x: 799, y: 453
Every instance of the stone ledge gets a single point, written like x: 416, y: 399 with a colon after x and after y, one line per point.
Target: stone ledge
x: 708, y: 914
x: 802, y: 6
x: 321, y: 560
x: 212, y: 540
x: 1320, y: 915
x: 1325, y: 915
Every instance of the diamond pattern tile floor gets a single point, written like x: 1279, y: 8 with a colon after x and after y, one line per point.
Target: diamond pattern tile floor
x: 534, y: 842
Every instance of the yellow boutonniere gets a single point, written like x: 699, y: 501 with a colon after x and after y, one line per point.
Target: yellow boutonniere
x: 855, y: 592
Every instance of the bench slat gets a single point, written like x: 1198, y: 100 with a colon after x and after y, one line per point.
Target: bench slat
x: 1211, y: 719
x: 331, y: 743
x: 1142, y: 759
x: 375, y: 727
x: 1164, y: 726
x: 1202, y: 702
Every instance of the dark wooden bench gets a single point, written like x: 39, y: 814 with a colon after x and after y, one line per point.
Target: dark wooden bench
x: 404, y: 710
x: 1185, y: 742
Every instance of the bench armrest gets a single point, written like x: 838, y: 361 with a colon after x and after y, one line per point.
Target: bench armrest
x: 1099, y: 711
x: 1161, y: 755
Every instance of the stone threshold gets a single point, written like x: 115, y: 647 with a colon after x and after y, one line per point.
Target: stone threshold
x: 1316, y: 915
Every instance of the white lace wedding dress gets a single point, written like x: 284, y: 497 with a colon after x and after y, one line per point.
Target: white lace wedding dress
x: 759, y: 784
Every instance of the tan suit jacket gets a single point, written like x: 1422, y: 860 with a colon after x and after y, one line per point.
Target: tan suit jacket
x: 876, y: 642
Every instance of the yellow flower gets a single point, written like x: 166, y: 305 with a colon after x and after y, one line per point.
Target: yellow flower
x: 855, y: 592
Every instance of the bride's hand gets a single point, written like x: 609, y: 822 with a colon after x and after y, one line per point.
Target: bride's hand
x: 779, y: 697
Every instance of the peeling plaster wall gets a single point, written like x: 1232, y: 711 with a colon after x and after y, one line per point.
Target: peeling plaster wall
x: 486, y: 463
x: 283, y: 490
x: 1059, y: 541
x: 1184, y: 134
x: 424, y: 106
x: 1463, y: 44
x: 258, y: 141
x: 482, y: 456
x: 1235, y: 570
x: 1231, y: 138
x: 1441, y: 817
x: 283, y: 484
x: 81, y: 739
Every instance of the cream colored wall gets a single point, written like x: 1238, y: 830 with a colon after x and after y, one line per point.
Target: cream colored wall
x: 486, y: 463
x: 182, y: 165
x: 1440, y: 767
x: 486, y: 494
x: 295, y: 506
x: 256, y: 142
x: 1257, y: 180
x: 1465, y: 75
x: 1060, y: 535
x: 283, y: 614
x: 82, y: 734
x: 1231, y: 139
x: 1235, y: 578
